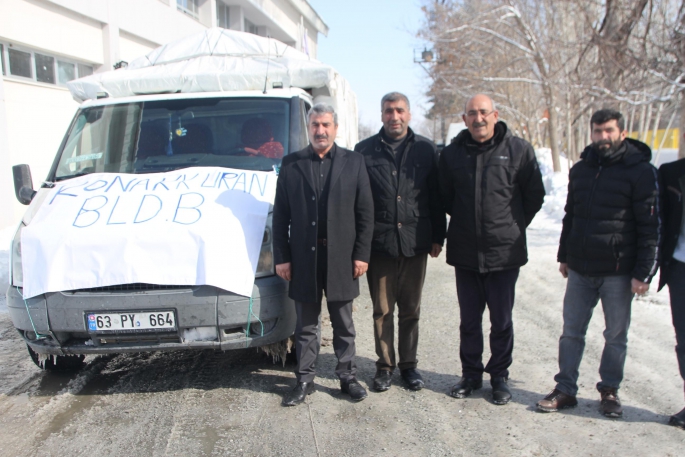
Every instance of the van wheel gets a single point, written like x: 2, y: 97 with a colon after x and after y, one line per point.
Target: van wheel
x: 57, y: 362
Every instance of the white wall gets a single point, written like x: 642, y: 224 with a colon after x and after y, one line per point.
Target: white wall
x: 132, y: 47
x: 7, y: 216
x: 47, y: 27
x: 37, y: 118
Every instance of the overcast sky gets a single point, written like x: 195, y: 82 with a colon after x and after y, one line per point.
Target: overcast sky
x: 372, y: 44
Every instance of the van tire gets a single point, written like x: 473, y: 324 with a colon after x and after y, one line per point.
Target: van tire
x: 62, y: 363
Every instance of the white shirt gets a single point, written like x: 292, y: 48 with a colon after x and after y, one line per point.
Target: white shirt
x: 679, y: 253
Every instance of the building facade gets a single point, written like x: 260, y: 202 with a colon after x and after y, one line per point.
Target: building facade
x: 46, y: 43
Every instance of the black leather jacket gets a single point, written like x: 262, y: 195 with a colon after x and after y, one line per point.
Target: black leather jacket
x: 408, y: 214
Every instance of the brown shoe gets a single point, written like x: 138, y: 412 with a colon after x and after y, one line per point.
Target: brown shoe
x: 555, y: 401
x: 610, y: 405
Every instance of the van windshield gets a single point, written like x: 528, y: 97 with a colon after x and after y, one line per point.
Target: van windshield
x: 154, y: 136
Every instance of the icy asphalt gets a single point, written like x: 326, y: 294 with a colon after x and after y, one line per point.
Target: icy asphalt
x: 205, y: 403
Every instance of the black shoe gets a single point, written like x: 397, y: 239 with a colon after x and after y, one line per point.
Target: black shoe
x: 500, y: 391
x: 382, y: 380
x: 298, y: 394
x: 412, y: 378
x: 678, y: 420
x: 354, y: 389
x: 610, y: 404
x: 465, y: 387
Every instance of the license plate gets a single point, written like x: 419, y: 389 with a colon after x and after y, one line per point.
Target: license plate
x: 131, y: 322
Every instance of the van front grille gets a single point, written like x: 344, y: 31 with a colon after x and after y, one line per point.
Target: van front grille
x: 138, y: 338
x: 137, y: 287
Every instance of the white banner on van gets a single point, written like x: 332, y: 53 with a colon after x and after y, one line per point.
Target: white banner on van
x: 192, y: 226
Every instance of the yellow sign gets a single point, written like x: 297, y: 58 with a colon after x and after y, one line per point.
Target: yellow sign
x: 670, y: 142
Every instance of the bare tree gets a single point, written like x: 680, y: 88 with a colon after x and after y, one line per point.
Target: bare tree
x: 549, y: 64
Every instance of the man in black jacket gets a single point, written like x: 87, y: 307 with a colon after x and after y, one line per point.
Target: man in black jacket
x: 672, y: 185
x: 409, y: 224
x: 322, y: 229
x: 492, y: 188
x: 608, y: 249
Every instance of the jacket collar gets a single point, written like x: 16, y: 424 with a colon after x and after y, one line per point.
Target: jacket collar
x: 501, y: 133
x: 380, y: 142
x: 331, y: 152
x: 635, y: 152
x: 338, y: 159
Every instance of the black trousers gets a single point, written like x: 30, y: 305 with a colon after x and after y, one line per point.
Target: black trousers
x: 306, y: 339
x: 476, y: 290
x: 676, y: 290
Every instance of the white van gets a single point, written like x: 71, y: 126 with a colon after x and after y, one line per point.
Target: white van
x: 131, y: 123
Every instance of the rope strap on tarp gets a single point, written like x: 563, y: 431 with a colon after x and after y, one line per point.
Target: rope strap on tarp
x: 251, y: 314
x: 39, y: 336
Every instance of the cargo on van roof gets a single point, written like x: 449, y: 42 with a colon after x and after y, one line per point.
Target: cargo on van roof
x: 219, y: 60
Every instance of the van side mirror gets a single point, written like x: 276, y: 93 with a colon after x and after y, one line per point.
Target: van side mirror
x: 23, y: 184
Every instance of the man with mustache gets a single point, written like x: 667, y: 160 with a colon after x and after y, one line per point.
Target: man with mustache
x: 322, y: 229
x: 608, y: 250
x: 409, y: 224
x: 492, y: 188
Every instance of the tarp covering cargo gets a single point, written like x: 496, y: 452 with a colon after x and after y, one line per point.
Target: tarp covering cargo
x: 220, y: 60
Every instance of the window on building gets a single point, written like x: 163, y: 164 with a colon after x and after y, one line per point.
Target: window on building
x: 45, y: 69
x: 84, y: 70
x: 250, y: 27
x: 20, y: 63
x: 65, y: 72
x: 48, y: 69
x: 222, y: 18
x: 189, y: 7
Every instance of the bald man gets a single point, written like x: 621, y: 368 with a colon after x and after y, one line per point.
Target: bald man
x: 492, y: 187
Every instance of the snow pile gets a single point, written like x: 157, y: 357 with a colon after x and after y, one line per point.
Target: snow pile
x: 547, y: 222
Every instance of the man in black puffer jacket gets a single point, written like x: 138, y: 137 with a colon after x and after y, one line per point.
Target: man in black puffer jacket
x: 409, y: 224
x: 492, y: 187
x: 608, y: 249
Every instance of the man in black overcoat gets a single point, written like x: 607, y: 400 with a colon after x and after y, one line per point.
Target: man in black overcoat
x: 672, y: 185
x: 322, y: 230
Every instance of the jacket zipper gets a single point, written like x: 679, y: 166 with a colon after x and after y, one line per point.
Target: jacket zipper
x: 589, y: 207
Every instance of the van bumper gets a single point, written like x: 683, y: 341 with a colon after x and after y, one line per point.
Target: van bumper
x: 55, y: 323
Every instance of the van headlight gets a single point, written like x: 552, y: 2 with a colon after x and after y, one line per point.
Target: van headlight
x: 16, y: 272
x: 265, y: 266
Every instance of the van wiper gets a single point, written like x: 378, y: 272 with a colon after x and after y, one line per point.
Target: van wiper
x: 75, y: 175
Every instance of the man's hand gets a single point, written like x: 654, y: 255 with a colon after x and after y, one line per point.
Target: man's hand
x: 436, y: 250
x: 563, y: 269
x: 283, y: 270
x: 360, y: 268
x: 638, y: 287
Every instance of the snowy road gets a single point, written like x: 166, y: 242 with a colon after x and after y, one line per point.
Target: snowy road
x: 229, y: 404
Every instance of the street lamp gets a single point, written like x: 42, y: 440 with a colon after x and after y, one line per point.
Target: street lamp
x: 427, y: 56
x: 424, y: 58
